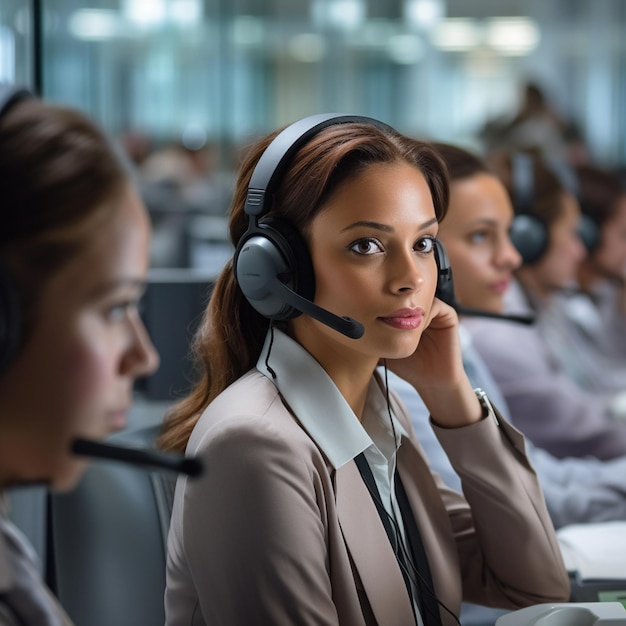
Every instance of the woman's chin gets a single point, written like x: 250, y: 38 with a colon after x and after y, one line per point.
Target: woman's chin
x: 69, y: 476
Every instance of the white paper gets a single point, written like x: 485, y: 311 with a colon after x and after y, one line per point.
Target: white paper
x: 595, y: 550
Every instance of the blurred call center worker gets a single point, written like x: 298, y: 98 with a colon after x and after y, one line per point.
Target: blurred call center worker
x: 549, y: 408
x: 73, y: 261
x: 318, y: 506
x: 603, y: 199
x: 591, y: 335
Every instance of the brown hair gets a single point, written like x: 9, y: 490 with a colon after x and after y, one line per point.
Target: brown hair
x: 460, y: 162
x: 57, y: 172
x: 599, y: 192
x: 230, y: 337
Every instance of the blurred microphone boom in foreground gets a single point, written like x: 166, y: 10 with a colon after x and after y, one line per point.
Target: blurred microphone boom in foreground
x: 191, y: 466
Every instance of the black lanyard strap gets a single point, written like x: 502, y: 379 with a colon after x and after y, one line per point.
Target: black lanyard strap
x: 368, y: 478
x: 418, y: 559
x: 412, y: 560
x: 389, y: 523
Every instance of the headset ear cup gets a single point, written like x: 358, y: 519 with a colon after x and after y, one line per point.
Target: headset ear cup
x: 10, y: 319
x: 528, y: 233
x: 445, y: 284
x: 274, y: 251
x: 530, y: 237
x: 589, y: 232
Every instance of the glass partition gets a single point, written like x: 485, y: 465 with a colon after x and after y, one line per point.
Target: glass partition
x: 17, y: 42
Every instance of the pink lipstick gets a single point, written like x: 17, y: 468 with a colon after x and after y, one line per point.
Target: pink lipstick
x: 404, y: 319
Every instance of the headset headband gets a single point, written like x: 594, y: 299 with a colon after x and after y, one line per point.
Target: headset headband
x: 523, y: 174
x: 278, y: 154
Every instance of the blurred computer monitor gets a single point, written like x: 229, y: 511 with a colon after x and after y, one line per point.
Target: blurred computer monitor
x: 172, y: 308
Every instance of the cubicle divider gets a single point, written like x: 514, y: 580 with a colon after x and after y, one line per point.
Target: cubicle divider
x: 172, y: 308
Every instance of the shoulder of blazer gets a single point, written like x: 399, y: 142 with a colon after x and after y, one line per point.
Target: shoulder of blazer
x: 252, y: 405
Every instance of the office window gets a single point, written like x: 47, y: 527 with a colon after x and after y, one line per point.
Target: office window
x: 186, y: 85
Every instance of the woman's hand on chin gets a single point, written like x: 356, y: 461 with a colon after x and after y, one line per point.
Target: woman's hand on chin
x: 437, y: 361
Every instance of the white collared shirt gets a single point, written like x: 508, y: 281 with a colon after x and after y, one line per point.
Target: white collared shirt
x: 327, y: 417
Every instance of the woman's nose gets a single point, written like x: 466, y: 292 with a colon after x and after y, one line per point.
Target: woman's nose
x: 508, y: 255
x: 407, y: 273
x: 141, y: 357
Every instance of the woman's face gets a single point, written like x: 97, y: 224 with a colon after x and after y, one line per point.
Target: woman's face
x: 475, y: 235
x: 558, y: 266
x: 74, y: 374
x: 610, y: 256
x: 372, y: 251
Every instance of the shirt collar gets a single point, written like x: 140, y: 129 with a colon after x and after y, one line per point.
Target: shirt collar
x: 314, y: 398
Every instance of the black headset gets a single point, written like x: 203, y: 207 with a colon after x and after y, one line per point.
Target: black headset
x: 445, y: 292
x: 10, y: 310
x: 529, y: 233
x: 272, y: 262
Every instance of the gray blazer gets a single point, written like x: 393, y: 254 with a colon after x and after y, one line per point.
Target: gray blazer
x: 273, y: 534
x: 589, y: 344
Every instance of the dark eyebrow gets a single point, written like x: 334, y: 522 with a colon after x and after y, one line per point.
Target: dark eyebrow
x: 135, y: 283
x: 384, y: 227
x: 123, y: 283
x: 485, y: 220
x: 375, y: 225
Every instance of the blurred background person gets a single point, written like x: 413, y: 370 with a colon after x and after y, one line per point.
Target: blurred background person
x: 536, y: 125
x: 551, y: 409
x: 74, y: 249
x: 589, y: 329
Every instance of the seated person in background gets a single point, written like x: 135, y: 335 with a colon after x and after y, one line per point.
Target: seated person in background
x: 318, y: 506
x: 475, y: 235
x: 549, y: 408
x: 603, y: 273
x: 589, y: 330
x: 73, y: 261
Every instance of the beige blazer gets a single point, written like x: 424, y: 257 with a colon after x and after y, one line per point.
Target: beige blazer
x: 273, y: 534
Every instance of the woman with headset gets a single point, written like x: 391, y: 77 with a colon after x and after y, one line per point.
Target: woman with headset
x: 547, y: 405
x: 318, y: 506
x: 73, y: 261
x: 591, y: 334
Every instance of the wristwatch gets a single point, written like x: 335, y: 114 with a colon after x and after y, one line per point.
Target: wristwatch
x: 485, y: 403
